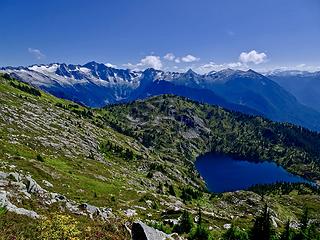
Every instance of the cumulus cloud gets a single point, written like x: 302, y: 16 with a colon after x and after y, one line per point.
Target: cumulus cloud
x: 186, y: 59
x: 189, y: 58
x: 235, y: 65
x: 36, y: 53
x: 151, y: 61
x: 169, y: 57
x: 252, y: 57
x: 146, y: 62
x: 212, y: 66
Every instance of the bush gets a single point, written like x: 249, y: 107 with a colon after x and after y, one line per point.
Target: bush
x: 235, y: 233
x: 2, y: 211
x: 162, y: 227
x: 58, y: 227
x: 200, y: 233
x: 40, y: 158
x: 7, y: 76
x: 26, y: 88
x: 189, y: 193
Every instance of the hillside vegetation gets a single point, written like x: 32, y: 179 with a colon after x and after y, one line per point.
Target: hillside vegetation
x: 95, y: 171
x: 183, y: 129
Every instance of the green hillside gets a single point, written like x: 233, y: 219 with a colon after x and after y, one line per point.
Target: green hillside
x: 137, y: 159
x: 182, y: 129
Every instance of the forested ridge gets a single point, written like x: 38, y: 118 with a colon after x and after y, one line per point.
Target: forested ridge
x: 181, y: 127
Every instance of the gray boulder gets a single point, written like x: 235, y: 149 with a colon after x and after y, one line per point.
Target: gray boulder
x: 93, y: 211
x: 4, y: 202
x: 141, y: 231
x: 33, y: 186
x: 47, y: 184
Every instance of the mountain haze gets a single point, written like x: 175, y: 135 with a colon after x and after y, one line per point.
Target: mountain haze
x: 305, y: 86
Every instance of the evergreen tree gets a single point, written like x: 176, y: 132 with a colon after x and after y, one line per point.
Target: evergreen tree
x: 304, y: 219
x: 262, y: 228
x: 307, y: 231
x: 199, y: 215
x: 200, y: 232
x: 287, y: 233
x: 185, y: 224
x: 171, y: 190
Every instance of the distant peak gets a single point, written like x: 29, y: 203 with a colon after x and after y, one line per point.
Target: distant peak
x: 227, y: 71
x: 251, y: 71
x: 190, y: 72
x: 150, y: 70
x: 92, y: 63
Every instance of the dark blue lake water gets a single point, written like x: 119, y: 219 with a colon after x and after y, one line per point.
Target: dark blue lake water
x: 223, y: 173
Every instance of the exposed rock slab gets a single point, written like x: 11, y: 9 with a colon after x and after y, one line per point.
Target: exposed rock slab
x: 141, y: 231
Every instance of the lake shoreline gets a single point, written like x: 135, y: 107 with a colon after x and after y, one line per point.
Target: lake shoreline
x: 224, y: 173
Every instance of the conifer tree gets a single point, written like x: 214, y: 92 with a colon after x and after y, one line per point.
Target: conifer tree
x: 262, y: 228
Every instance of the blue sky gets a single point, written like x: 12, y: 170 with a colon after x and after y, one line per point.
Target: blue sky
x: 202, y: 34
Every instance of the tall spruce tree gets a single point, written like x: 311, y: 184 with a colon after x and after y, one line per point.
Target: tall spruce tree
x: 287, y: 233
x: 262, y: 228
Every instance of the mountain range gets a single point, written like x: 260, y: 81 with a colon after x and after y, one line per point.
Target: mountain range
x: 96, y: 85
x: 305, y: 86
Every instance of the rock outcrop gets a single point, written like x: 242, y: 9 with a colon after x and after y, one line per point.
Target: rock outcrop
x: 141, y: 231
x: 5, y: 203
x: 24, y: 186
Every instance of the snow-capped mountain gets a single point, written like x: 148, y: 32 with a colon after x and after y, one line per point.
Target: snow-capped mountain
x: 70, y: 74
x: 92, y: 84
x: 95, y: 85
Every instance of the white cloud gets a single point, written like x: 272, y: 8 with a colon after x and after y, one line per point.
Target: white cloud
x: 111, y: 65
x: 36, y: 53
x: 235, y: 65
x: 211, y: 66
x: 151, y: 61
x: 169, y: 57
x: 146, y: 62
x: 189, y: 58
x: 130, y: 66
x: 253, y: 57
